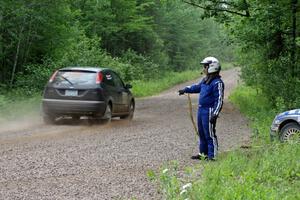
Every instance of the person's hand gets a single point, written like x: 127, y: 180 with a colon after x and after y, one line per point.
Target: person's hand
x: 181, y: 92
x: 213, y: 119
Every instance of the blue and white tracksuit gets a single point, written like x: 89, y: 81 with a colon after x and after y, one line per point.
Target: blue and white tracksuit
x: 210, y: 103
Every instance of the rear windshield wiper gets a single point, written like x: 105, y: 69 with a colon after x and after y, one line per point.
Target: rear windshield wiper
x: 67, y: 80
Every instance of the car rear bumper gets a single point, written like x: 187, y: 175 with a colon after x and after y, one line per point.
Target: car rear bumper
x: 65, y: 107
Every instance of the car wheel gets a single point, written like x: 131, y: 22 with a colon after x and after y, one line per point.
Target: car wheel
x: 107, y: 115
x: 290, y: 132
x: 76, y: 117
x: 49, y: 119
x: 129, y: 116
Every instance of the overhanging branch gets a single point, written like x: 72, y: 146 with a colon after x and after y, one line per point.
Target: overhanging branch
x: 218, y: 9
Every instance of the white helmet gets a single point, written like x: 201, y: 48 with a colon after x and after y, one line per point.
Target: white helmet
x: 212, y: 63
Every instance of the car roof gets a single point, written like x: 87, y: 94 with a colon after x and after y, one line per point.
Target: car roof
x: 89, y: 69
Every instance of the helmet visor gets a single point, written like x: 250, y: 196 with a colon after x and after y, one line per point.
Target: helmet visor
x: 205, y: 65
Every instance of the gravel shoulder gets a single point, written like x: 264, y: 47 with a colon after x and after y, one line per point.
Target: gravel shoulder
x: 83, y: 161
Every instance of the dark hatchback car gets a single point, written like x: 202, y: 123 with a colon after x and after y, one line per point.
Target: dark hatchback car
x: 97, y: 93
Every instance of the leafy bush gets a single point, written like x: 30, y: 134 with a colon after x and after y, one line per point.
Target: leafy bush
x: 86, y: 52
x: 271, y: 76
x: 83, y: 53
x: 256, y: 107
x: 33, y: 79
x: 141, y: 68
x: 2, y: 101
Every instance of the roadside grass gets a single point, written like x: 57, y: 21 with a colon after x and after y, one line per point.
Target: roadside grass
x: 265, y: 170
x: 152, y: 87
x: 257, y: 109
x: 19, y: 107
x: 155, y: 86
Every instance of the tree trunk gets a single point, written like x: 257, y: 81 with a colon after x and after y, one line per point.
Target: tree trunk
x: 15, y: 63
x: 17, y: 55
x: 28, y: 42
x: 1, y: 60
x: 294, y: 34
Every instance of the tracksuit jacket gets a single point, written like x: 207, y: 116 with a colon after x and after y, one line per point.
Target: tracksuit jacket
x: 210, y: 103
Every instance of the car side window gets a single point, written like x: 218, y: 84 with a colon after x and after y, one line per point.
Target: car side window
x: 117, y: 80
x: 108, y: 78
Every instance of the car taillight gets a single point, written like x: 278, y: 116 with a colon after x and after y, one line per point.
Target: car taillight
x: 99, y: 77
x: 53, y: 76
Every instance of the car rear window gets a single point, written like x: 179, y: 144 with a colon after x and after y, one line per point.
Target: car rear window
x: 75, y: 77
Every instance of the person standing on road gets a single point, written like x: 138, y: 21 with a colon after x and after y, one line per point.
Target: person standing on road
x: 211, y: 89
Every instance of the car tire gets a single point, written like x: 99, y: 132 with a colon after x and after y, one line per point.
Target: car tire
x: 49, y: 119
x: 129, y: 116
x: 75, y: 117
x: 290, y: 132
x: 108, y: 114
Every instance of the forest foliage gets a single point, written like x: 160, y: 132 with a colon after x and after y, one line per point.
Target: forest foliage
x: 145, y: 39
x: 140, y: 39
x: 266, y: 34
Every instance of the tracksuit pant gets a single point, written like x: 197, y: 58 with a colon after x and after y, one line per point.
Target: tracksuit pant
x: 208, y: 143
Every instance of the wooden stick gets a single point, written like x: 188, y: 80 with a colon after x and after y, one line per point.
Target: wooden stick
x: 192, y: 117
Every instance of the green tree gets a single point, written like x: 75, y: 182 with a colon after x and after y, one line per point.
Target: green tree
x: 266, y: 33
x: 30, y: 31
x: 144, y: 36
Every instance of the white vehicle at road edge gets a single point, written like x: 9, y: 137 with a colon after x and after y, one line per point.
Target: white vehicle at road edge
x: 286, y: 126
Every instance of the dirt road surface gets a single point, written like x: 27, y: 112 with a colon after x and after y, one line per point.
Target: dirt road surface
x: 82, y: 161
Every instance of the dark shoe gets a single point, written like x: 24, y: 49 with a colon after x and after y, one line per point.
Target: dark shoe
x: 196, y: 157
x: 199, y: 157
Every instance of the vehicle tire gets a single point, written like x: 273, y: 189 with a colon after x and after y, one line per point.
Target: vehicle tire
x: 108, y: 114
x: 76, y: 117
x: 129, y: 116
x: 290, y: 132
x: 49, y: 119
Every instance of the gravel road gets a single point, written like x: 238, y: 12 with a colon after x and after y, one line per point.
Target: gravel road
x: 83, y: 161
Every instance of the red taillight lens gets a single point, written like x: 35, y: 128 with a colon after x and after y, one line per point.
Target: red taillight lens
x: 53, y: 76
x: 99, y: 77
